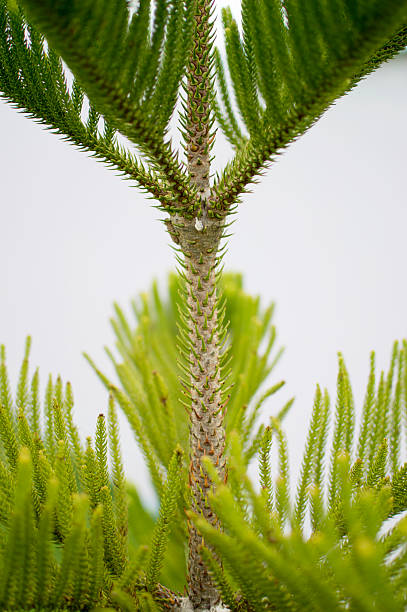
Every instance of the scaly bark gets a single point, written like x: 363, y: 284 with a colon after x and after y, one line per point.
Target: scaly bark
x: 199, y: 240
x: 207, y: 434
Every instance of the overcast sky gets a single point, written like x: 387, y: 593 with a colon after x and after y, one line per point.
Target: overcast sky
x: 324, y: 235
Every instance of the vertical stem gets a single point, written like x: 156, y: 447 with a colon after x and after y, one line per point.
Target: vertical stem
x: 199, y: 241
x: 198, y: 123
x: 207, y: 434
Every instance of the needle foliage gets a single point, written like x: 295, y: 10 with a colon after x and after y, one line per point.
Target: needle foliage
x: 192, y: 372
x: 75, y: 536
x: 65, y: 541
x: 338, y: 542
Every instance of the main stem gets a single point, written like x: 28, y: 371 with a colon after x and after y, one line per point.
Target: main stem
x: 207, y: 434
x: 199, y: 241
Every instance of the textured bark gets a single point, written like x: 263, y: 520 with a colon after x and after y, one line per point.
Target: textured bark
x: 207, y: 435
x: 199, y: 240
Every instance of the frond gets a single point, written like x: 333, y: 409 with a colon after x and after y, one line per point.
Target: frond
x: 287, y: 65
x: 132, y: 77
x: 167, y: 510
x: 350, y: 559
x: 65, y: 532
x: 308, y: 462
x: 118, y: 481
x: 33, y: 79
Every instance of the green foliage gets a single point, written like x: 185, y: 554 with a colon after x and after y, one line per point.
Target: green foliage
x: 151, y: 396
x: 287, y: 65
x: 267, y: 533
x: 149, y: 370
x: 339, y: 549
x: 167, y: 510
x: 64, y: 526
x: 130, y: 75
x: 73, y: 535
x: 128, y: 69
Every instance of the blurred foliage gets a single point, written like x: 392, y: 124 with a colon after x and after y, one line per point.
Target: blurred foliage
x: 74, y: 535
x: 149, y: 369
x: 150, y: 394
x: 65, y: 541
x: 341, y: 542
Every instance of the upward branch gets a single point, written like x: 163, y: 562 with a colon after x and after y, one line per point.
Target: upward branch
x: 300, y: 61
x: 198, y: 121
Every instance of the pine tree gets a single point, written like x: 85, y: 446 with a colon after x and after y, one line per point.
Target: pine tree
x: 290, y: 60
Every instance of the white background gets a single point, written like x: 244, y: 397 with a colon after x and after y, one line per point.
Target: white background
x: 324, y: 235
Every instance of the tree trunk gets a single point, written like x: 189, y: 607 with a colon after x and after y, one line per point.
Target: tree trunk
x: 198, y: 239
x: 207, y: 434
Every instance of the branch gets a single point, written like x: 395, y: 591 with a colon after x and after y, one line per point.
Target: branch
x: 197, y: 119
x: 34, y: 81
x: 365, y: 53
x: 95, y: 43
